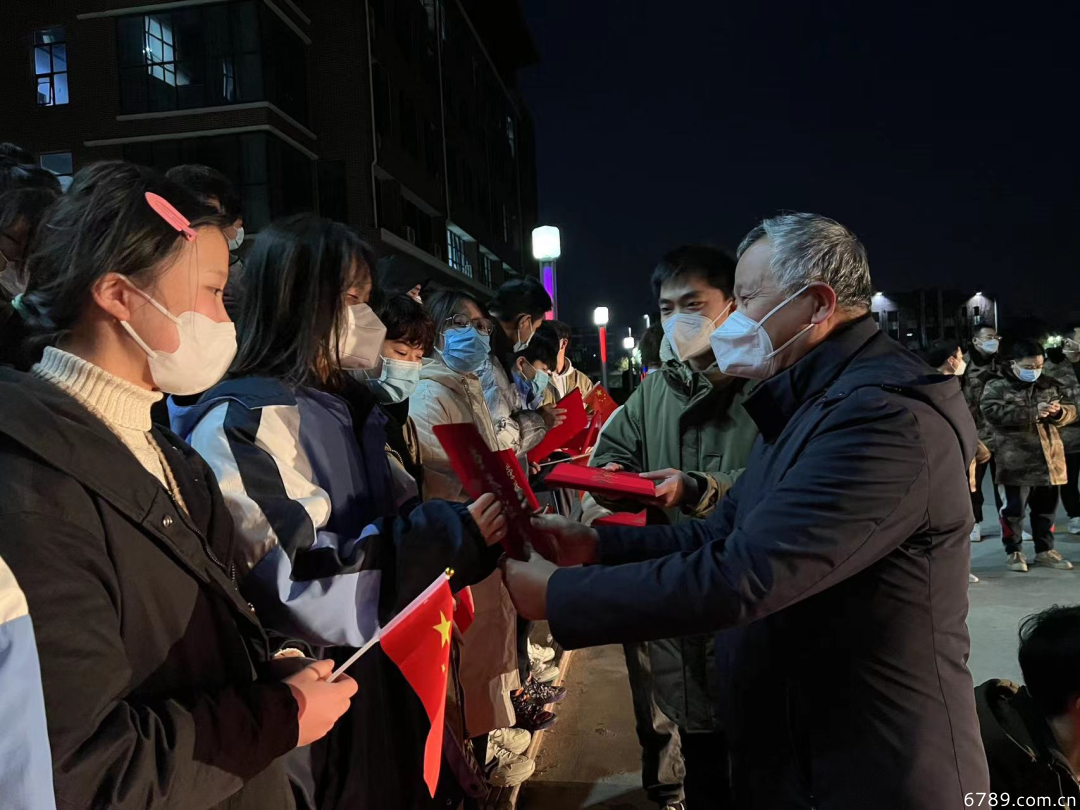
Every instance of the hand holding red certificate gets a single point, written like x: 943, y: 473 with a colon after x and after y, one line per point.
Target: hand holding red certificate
x: 601, y: 482
x: 483, y: 471
x: 574, y: 422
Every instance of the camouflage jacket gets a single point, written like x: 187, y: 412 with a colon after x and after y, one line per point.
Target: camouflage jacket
x: 1064, y: 374
x: 981, y: 368
x: 1029, y: 450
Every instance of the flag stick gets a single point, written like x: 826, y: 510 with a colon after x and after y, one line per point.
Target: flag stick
x: 355, y: 657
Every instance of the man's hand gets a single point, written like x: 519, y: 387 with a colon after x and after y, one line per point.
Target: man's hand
x: 552, y: 415
x: 487, y: 511
x: 527, y: 583
x: 613, y: 467
x: 321, y: 703
x: 567, y: 541
x: 673, y: 488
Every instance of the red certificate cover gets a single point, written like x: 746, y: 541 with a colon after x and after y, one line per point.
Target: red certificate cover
x: 483, y: 471
x: 593, y: 479
x: 557, y: 437
x: 513, y: 469
x: 622, y: 519
x: 600, y: 401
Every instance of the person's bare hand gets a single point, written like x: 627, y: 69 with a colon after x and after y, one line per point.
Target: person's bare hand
x: 487, y: 511
x: 613, y: 467
x: 1053, y: 409
x: 553, y: 416
x: 673, y: 488
x: 527, y: 583
x: 567, y: 541
x: 321, y: 703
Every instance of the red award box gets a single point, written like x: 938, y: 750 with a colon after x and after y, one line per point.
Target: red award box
x: 482, y: 471
x: 560, y: 436
x: 622, y: 519
x: 603, y: 482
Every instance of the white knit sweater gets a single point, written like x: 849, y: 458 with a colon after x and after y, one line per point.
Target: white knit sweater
x: 123, y: 407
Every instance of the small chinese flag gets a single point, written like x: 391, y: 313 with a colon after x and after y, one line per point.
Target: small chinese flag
x: 465, y: 610
x: 417, y: 640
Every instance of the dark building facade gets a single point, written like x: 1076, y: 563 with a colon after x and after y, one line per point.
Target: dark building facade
x: 400, y: 117
x: 916, y: 319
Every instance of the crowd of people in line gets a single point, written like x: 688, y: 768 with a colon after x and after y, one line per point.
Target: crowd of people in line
x: 214, y: 470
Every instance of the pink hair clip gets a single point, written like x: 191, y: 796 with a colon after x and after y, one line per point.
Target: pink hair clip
x: 165, y: 209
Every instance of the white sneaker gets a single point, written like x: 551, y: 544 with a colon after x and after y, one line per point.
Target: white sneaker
x: 976, y: 534
x: 1053, y: 559
x: 1016, y: 562
x: 539, y: 654
x: 505, y: 768
x: 972, y: 579
x: 1074, y: 525
x: 544, y: 673
x: 514, y: 740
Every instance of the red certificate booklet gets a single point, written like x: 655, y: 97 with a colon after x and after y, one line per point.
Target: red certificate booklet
x: 593, y: 479
x: 482, y: 471
x: 599, y: 401
x: 558, y: 437
x: 622, y: 519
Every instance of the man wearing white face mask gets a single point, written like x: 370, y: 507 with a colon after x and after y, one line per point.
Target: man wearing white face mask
x: 685, y: 428
x: 835, y: 570
x: 982, y: 366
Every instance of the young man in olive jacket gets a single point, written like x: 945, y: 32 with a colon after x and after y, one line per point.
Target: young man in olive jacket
x: 685, y: 427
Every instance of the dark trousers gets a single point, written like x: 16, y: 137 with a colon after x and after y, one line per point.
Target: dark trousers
x: 1070, y: 493
x: 977, y: 495
x: 524, y: 627
x: 708, y: 770
x: 1042, y: 502
x: 662, y: 768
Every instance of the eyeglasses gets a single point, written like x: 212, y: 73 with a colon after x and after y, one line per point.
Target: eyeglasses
x: 457, y: 322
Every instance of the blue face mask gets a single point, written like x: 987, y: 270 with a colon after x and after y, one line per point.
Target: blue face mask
x: 539, y: 383
x: 465, y: 350
x: 396, y: 382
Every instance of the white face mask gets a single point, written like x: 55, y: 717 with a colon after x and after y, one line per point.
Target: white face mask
x: 522, y: 345
x: 961, y: 368
x: 361, y: 338
x: 206, y: 350
x: 989, y: 346
x: 238, y: 240
x: 744, y: 349
x: 688, y: 333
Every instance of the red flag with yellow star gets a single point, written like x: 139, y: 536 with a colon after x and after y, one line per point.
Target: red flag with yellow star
x: 417, y: 640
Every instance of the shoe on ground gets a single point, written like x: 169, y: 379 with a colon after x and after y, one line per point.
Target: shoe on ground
x: 1053, y: 559
x: 544, y: 673
x: 514, y: 740
x: 505, y: 768
x: 976, y: 534
x: 1016, y: 562
x: 533, y: 718
x: 676, y: 806
x: 540, y: 655
x: 1074, y: 525
x: 542, y: 693
x: 972, y: 579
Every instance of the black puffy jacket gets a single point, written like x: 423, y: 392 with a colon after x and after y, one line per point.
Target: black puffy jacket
x: 150, y: 658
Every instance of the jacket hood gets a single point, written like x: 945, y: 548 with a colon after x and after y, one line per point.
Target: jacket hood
x: 883, y: 363
x: 253, y: 392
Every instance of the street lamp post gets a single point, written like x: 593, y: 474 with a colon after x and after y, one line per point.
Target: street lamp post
x: 628, y: 344
x: 547, y: 248
x: 600, y: 318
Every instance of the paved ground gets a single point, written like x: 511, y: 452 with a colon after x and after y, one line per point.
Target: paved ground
x: 591, y: 758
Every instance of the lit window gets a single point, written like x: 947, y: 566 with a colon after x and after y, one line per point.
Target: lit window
x: 60, y: 164
x: 50, y: 67
x: 486, y: 265
x: 455, y: 252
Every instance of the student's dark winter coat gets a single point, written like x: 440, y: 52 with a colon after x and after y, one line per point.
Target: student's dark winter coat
x: 839, y: 562
x: 149, y: 656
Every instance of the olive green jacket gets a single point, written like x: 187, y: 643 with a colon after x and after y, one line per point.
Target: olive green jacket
x: 681, y: 419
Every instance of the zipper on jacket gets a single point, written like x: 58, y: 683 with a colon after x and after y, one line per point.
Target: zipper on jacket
x: 230, y: 570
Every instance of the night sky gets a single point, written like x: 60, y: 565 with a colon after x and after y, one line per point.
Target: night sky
x: 946, y: 138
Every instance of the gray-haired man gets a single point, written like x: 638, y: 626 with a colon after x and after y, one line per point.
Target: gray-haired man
x: 836, y: 568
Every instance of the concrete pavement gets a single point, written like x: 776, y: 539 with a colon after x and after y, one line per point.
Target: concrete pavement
x: 591, y: 759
